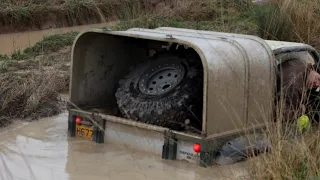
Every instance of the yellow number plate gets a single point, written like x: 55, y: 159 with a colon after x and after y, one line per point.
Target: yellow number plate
x: 83, y: 131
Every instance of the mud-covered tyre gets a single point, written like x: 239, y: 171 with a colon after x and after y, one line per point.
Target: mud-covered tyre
x: 165, y: 91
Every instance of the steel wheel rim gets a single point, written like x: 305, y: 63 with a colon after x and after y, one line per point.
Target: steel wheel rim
x: 161, y: 79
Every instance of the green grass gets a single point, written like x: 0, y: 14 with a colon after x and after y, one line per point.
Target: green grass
x: 51, y: 43
x: 4, y: 57
x: 19, y: 55
x: 240, y: 22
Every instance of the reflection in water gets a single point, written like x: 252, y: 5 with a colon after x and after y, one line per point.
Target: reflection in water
x: 41, y: 150
x: 35, y: 151
x: 17, y: 41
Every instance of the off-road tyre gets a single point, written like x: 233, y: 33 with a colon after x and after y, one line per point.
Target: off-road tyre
x: 172, y: 109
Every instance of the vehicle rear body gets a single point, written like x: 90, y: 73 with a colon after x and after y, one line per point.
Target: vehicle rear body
x: 239, y: 78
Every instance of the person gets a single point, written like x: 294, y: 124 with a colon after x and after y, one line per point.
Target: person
x: 294, y: 80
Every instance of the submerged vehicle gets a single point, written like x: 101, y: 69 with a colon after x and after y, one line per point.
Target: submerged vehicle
x: 179, y: 93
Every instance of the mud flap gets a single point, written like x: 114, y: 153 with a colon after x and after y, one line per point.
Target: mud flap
x: 169, y: 148
x: 208, y: 153
x: 71, y: 126
x: 98, y: 130
x: 98, y: 126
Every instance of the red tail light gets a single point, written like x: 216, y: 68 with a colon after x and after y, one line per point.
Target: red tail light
x: 78, y: 120
x: 197, y: 147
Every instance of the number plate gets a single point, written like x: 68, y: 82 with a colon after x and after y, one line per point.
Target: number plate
x: 83, y: 131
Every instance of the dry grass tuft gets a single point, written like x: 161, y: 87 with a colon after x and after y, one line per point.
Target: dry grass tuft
x: 292, y: 158
x: 31, y: 94
x: 291, y: 20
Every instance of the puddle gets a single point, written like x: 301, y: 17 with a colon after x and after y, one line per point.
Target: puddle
x: 41, y: 150
x: 17, y: 41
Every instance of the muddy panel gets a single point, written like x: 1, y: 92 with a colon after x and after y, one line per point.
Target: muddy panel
x: 99, y: 61
x: 227, y: 88
x: 261, y: 83
x: 146, y: 140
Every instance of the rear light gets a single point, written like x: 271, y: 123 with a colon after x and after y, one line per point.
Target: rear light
x: 197, y: 147
x: 78, y: 120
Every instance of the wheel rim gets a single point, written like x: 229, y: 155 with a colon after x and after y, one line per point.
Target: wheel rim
x: 161, y: 79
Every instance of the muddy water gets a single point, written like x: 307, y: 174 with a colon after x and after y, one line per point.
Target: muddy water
x: 16, y: 41
x: 41, y: 150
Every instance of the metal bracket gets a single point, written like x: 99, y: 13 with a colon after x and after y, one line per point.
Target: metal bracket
x: 169, y: 149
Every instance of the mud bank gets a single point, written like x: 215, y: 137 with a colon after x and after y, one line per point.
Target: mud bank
x: 42, y: 150
x: 32, y: 15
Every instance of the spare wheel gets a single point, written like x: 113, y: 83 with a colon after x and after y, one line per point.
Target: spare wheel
x: 165, y: 91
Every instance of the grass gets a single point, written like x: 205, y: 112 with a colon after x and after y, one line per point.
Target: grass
x: 290, y: 20
x: 293, y: 157
x: 31, y: 79
x: 233, y: 25
x: 31, y: 14
x: 30, y: 95
x: 51, y: 43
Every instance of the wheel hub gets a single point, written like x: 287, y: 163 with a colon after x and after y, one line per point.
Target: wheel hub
x: 161, y: 79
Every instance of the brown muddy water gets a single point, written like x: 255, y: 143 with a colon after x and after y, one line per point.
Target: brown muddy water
x: 18, y: 41
x: 41, y: 150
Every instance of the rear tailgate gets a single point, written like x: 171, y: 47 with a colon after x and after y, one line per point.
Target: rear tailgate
x: 143, y: 137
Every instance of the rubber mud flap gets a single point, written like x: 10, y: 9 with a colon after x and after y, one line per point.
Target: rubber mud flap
x: 169, y: 148
x: 71, y: 126
x: 207, y: 158
x: 98, y: 133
